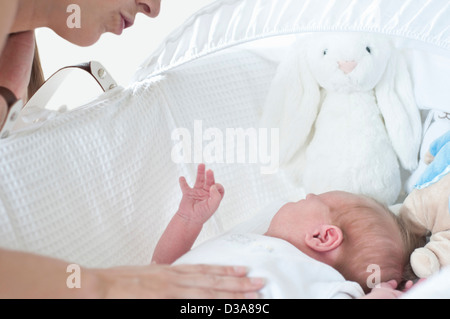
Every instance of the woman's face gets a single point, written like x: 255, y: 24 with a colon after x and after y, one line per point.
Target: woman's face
x: 100, y: 16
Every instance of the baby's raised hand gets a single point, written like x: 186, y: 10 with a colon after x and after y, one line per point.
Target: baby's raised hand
x: 200, y: 202
x: 197, y: 205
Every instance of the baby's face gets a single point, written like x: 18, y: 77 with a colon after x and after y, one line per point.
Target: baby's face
x: 294, y: 220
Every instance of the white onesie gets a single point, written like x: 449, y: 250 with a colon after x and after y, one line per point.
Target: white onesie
x: 289, y: 272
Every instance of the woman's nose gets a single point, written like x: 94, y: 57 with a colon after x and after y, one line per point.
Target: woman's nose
x: 149, y: 7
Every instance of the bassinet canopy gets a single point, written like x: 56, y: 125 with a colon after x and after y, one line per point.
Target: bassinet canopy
x: 97, y: 185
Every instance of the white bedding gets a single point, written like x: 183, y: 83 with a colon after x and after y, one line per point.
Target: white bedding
x: 435, y: 287
x: 100, y: 185
x: 97, y: 186
x: 289, y: 273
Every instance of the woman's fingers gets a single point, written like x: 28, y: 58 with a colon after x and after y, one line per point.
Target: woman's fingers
x: 236, y: 271
x: 218, y: 281
x: 223, y: 283
x: 182, y: 281
x: 227, y: 278
x: 200, y: 293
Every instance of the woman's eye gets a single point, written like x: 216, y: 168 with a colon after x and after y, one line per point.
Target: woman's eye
x: 368, y: 49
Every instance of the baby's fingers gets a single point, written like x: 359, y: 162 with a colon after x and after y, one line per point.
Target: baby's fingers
x: 210, y: 181
x: 183, y: 184
x: 200, y: 181
x: 215, y: 197
x: 220, y: 189
x: 392, y: 284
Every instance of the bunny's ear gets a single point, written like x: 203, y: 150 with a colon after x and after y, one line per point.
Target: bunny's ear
x: 401, y: 115
x: 292, y: 103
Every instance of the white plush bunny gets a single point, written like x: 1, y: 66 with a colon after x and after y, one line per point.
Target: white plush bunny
x: 345, y: 107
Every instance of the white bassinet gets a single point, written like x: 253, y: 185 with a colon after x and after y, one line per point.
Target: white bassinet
x: 97, y: 185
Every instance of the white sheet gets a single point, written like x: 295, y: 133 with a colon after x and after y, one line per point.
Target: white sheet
x: 288, y: 272
x: 435, y: 287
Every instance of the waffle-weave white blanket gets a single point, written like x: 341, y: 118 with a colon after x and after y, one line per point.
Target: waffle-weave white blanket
x: 98, y: 185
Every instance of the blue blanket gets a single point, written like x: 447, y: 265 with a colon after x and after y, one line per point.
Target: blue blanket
x: 440, y: 166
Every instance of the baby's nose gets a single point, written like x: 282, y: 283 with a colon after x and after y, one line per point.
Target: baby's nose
x: 347, y: 66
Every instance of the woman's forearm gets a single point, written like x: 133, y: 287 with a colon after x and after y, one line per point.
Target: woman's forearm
x: 26, y: 275
x: 8, y: 11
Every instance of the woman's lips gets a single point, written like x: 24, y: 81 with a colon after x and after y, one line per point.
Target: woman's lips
x: 124, y: 24
x: 127, y: 22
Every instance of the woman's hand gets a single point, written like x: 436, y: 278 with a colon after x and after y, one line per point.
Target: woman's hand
x: 199, y: 203
x: 27, y: 275
x: 177, y: 282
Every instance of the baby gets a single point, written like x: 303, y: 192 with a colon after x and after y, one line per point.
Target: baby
x: 325, y: 246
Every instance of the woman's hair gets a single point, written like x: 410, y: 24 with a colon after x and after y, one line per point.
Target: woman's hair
x: 37, y: 75
x: 376, y: 243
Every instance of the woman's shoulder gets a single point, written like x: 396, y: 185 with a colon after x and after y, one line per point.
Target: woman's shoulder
x: 8, y: 11
x: 9, y: 6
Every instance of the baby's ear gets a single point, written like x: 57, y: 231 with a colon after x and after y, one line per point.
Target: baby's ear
x: 324, y: 238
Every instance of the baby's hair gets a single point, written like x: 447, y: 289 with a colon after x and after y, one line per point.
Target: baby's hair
x: 373, y: 235
x: 411, y: 241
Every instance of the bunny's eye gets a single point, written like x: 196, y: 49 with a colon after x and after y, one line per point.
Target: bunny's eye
x: 325, y: 52
x: 368, y: 49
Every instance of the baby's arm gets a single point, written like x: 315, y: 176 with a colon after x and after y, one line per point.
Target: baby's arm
x: 197, y: 205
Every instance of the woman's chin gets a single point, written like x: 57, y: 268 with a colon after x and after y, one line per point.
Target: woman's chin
x: 81, y: 37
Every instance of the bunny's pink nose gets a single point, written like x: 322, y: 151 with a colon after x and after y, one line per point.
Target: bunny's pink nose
x: 347, y: 66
